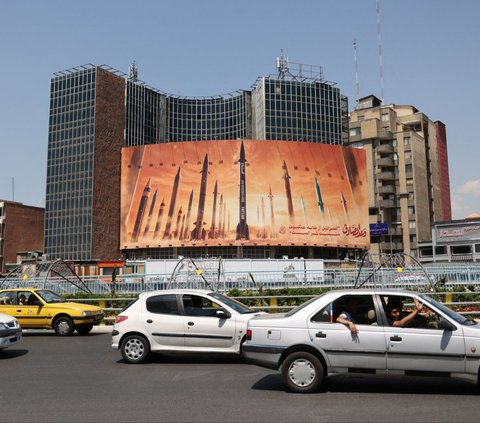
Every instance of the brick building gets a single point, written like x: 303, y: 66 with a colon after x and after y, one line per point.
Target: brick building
x: 21, y: 229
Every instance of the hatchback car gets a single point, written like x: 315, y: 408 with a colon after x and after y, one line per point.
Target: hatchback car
x: 182, y: 321
x: 10, y: 331
x: 43, y: 309
x: 393, y: 332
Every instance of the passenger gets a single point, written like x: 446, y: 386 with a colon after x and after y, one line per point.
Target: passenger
x: 22, y: 300
x: 394, y: 313
x: 346, y: 318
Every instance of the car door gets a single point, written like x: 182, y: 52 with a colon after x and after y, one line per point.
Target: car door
x: 363, y: 350
x: 27, y: 307
x: 203, y: 327
x: 427, y: 348
x: 163, y: 321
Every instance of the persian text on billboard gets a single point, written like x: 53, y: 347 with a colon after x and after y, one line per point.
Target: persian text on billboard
x: 210, y: 193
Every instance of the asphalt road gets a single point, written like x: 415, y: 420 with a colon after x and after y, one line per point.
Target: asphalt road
x: 82, y: 379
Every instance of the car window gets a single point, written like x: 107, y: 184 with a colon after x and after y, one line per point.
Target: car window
x: 8, y: 297
x: 196, y: 305
x: 359, y: 309
x: 49, y: 296
x: 232, y: 303
x: 426, y: 318
x: 162, y: 304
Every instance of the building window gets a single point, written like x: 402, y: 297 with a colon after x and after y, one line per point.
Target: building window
x: 385, y: 117
x: 440, y: 250
x: 426, y: 251
x: 461, y: 249
x: 408, y: 154
x: 411, y: 210
x: 406, y: 141
x: 412, y: 224
x: 408, y: 168
x: 477, y: 248
x: 354, y: 132
x: 409, y: 181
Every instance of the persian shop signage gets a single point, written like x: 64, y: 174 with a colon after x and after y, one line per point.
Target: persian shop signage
x: 210, y: 193
x: 458, y: 233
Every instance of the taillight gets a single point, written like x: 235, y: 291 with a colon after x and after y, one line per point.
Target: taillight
x: 249, y: 334
x: 120, y: 319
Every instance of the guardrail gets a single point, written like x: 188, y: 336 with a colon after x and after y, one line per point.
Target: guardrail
x: 272, y: 303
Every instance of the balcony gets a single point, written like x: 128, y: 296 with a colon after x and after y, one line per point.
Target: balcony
x: 385, y: 148
x: 386, y: 162
x: 386, y: 204
x: 385, y: 134
x: 386, y: 189
x: 386, y: 176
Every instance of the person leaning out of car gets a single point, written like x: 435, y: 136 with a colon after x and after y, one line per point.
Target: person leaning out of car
x: 345, y: 316
x: 394, y: 313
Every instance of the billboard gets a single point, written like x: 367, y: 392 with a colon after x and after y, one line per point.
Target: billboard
x: 251, y: 192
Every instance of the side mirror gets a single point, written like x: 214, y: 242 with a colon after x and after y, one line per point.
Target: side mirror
x: 446, y: 325
x: 223, y: 314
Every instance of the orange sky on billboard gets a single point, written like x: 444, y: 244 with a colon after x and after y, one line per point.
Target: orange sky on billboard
x: 251, y: 192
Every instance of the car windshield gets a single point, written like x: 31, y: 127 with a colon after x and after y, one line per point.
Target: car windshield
x: 234, y: 304
x: 449, y: 312
x: 306, y: 303
x: 49, y: 296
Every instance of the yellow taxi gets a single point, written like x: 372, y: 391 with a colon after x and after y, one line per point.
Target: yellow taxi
x: 43, y: 309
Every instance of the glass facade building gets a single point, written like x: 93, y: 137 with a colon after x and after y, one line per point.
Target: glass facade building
x: 69, y: 190
x: 82, y: 130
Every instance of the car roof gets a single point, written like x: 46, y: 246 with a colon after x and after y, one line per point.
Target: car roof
x: 21, y: 289
x: 176, y: 291
x: 380, y: 291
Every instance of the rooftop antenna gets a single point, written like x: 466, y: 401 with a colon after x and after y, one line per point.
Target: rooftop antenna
x: 133, y: 72
x: 380, y: 50
x: 282, y: 65
x: 357, y: 83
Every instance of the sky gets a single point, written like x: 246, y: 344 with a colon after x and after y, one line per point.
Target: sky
x: 430, y: 54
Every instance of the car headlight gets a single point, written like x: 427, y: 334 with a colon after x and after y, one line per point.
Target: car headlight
x: 88, y: 313
x: 3, y: 326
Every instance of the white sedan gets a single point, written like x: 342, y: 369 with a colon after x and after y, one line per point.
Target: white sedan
x: 10, y: 331
x: 180, y: 320
x: 366, y: 331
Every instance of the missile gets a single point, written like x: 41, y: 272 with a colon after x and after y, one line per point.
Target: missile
x: 150, y: 214
x: 288, y: 192
x: 159, y: 218
x: 189, y: 211
x: 319, y: 196
x: 242, y: 227
x: 273, y: 234
x: 211, y: 233
x: 199, y: 232
x: 171, y: 208
x: 141, y: 211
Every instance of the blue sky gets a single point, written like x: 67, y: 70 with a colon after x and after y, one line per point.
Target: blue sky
x: 204, y: 48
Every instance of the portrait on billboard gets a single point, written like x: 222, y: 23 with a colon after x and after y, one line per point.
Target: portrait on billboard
x: 250, y: 192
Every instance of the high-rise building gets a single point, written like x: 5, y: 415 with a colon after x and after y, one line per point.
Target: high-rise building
x: 95, y: 111
x: 407, y: 163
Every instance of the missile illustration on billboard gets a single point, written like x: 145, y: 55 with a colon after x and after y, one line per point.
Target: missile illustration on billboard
x: 198, y: 232
x: 187, y: 220
x: 177, y: 223
x: 304, y: 209
x: 220, y: 217
x: 159, y: 219
x: 344, y: 204
x: 171, y: 208
x: 273, y: 233
x: 213, y: 229
x: 288, y: 192
x: 224, y: 216
x: 150, y: 214
x: 242, y: 227
x: 319, y: 197
x: 182, y: 229
x: 264, y: 223
x: 141, y: 211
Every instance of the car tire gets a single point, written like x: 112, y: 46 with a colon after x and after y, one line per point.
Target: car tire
x: 302, y: 372
x: 84, y: 330
x: 63, y: 326
x: 135, y: 349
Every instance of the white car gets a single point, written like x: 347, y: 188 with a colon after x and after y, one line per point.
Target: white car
x: 10, y: 331
x: 387, y: 337
x: 180, y: 320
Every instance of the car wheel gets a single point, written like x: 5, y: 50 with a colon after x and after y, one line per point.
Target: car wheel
x: 302, y: 372
x: 63, y: 326
x: 135, y: 349
x: 84, y: 330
